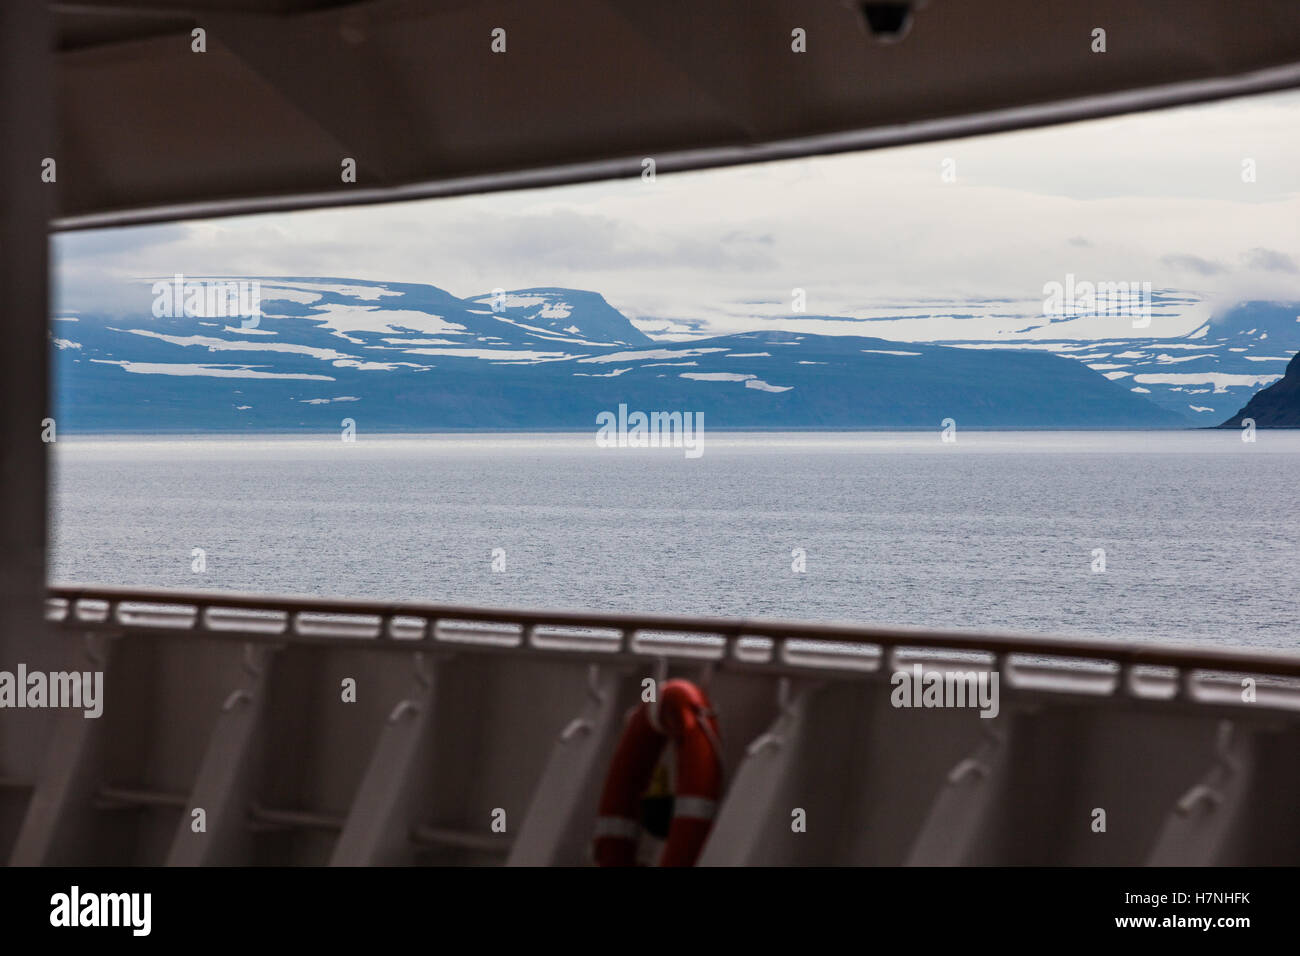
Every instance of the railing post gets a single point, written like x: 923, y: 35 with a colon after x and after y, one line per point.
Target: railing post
x: 558, y: 826
x: 60, y: 812
x: 391, y: 798
x: 223, y: 789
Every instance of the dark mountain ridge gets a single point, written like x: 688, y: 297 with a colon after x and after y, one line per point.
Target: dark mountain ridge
x: 1277, y: 406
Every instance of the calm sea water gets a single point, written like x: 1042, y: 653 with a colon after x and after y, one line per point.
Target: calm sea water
x: 1200, y: 529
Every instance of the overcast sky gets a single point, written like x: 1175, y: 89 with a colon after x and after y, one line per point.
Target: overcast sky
x: 1155, y: 197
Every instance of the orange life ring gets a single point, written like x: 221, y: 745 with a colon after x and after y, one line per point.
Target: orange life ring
x: 682, y: 715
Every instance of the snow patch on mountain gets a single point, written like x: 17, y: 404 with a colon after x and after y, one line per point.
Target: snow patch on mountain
x: 750, y: 380
x: 207, y: 371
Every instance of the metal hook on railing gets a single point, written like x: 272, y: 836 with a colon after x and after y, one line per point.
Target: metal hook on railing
x: 707, y: 670
x: 785, y: 710
x: 251, y: 664
x: 994, y: 739
x: 965, y: 768
x: 94, y: 651
x: 423, y: 669
x: 579, y: 725
x: 1206, y: 793
x: 594, y: 690
x: 1200, y: 794
x: 784, y: 697
x: 1223, y: 747
x: 403, y: 707
x: 763, y: 742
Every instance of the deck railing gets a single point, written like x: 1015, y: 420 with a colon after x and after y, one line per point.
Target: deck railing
x: 770, y: 645
x: 442, y: 735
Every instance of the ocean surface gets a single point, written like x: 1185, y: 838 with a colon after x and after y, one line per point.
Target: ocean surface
x: 997, y: 530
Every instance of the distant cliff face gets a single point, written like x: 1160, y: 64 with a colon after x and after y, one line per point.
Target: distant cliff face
x: 1277, y: 406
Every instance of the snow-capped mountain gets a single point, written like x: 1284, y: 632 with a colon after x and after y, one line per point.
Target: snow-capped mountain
x: 584, y: 318
x: 1206, y: 375
x: 412, y: 357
